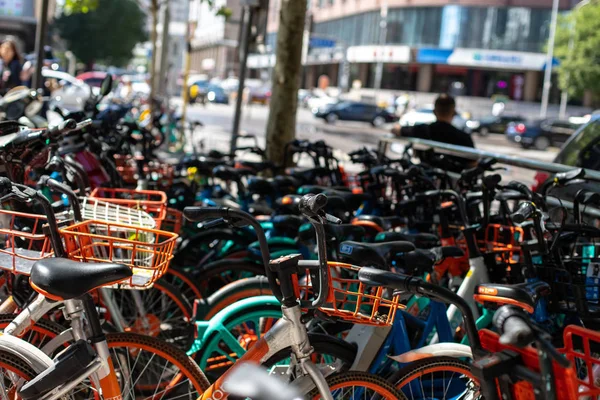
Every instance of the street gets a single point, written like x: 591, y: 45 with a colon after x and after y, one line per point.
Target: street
x: 344, y: 136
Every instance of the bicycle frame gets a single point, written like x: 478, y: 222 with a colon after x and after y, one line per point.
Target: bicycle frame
x: 397, y: 341
x: 101, y: 370
x: 289, y: 330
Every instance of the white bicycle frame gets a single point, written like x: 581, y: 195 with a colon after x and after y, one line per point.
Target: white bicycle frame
x: 40, y: 360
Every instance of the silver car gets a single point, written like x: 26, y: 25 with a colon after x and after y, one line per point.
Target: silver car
x: 70, y: 93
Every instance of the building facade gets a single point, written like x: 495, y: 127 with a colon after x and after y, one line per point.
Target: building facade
x: 473, y: 47
x: 18, y: 20
x: 215, y: 40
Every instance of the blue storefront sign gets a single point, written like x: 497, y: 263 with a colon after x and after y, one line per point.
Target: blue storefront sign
x: 433, y: 56
x: 316, y: 42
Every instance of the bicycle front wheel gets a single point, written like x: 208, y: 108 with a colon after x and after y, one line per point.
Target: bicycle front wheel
x: 359, y: 385
x: 14, y: 373
x: 436, y: 378
x: 147, y: 366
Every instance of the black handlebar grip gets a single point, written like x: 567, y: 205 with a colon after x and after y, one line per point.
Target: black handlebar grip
x: 378, y: 277
x: 491, y: 181
x: 513, y: 325
x: 525, y: 210
x: 5, y: 186
x: 199, y: 214
x: 311, y: 204
x: 520, y: 187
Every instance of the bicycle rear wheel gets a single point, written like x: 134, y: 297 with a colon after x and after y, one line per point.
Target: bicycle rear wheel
x: 359, y: 385
x: 436, y: 378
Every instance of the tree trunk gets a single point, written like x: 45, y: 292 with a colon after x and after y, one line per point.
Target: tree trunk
x: 281, y: 127
x: 153, y: 39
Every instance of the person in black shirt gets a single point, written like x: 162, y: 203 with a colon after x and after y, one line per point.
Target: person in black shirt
x: 443, y: 131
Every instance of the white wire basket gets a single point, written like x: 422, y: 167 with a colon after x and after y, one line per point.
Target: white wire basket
x: 116, y: 213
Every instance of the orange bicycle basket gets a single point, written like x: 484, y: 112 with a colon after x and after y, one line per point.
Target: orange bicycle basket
x: 154, y: 202
x: 128, y: 169
x: 351, y: 300
x: 23, y: 241
x: 501, y: 240
x: 147, y: 252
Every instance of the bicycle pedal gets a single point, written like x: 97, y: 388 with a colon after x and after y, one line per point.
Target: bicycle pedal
x: 67, y: 365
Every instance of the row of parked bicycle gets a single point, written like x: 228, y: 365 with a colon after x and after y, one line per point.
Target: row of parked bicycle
x: 127, y: 277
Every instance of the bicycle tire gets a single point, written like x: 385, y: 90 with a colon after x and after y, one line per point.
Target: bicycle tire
x: 185, y: 282
x: 177, y: 357
x: 179, y: 375
x: 377, y: 385
x: 234, y: 291
x: 447, y: 366
x: 17, y: 366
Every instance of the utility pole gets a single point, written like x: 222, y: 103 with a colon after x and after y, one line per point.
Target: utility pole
x: 246, y: 27
x: 40, y: 38
x: 549, y: 59
x: 564, y: 96
x: 185, y: 93
x: 382, y: 41
x: 164, y: 52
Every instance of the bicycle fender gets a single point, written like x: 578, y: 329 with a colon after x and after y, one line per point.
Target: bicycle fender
x: 27, y: 352
x: 455, y: 350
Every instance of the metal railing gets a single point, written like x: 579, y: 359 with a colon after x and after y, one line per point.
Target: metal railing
x: 476, y: 154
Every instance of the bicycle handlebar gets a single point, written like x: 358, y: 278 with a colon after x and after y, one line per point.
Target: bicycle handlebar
x: 56, y: 186
x: 521, y: 188
x: 524, y: 211
x: 516, y: 329
x: 238, y: 218
x: 311, y: 206
x: 513, y: 326
x: 459, y: 202
x: 25, y: 194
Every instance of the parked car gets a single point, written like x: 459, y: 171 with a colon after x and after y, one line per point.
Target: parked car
x: 259, y: 94
x: 540, y: 133
x: 198, y: 94
x: 582, y: 150
x: 71, y: 93
x: 425, y: 115
x: 93, y: 79
x: 303, y: 96
x: 139, y: 83
x: 493, y: 124
x: 318, y: 99
x: 216, y: 94
x: 353, y: 111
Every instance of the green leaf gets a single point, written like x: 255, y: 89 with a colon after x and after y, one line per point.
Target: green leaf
x: 107, y: 32
x: 224, y: 11
x: 80, y: 6
x: 579, y: 69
